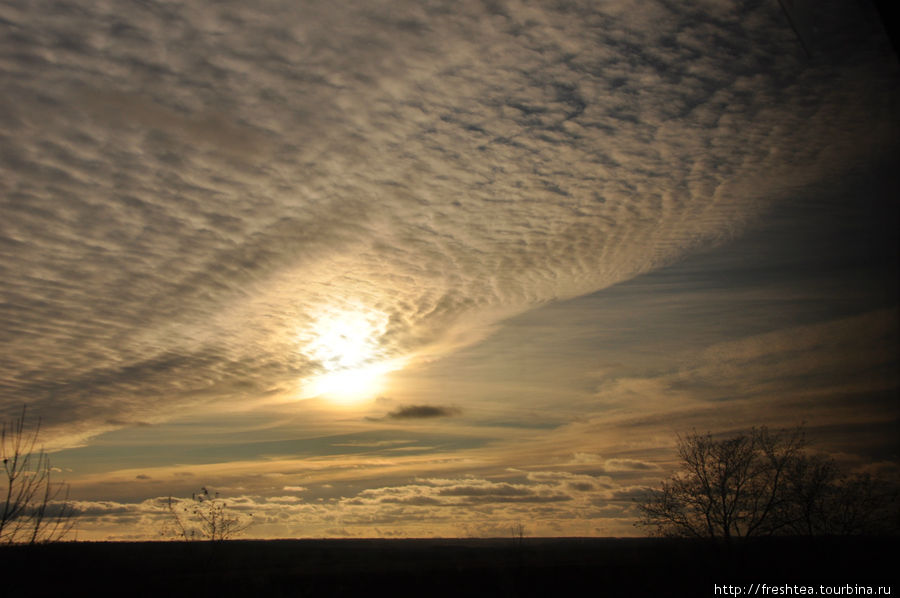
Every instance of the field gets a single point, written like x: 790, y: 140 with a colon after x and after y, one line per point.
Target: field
x: 440, y: 567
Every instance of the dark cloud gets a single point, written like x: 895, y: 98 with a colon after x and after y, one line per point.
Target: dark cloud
x: 101, y: 508
x: 412, y: 500
x: 622, y: 465
x: 422, y: 411
x: 580, y: 486
x: 467, y: 493
x: 493, y: 490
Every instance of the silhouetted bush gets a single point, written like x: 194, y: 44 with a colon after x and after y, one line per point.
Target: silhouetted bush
x: 204, y: 517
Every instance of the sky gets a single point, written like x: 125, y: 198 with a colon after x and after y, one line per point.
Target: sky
x: 422, y: 268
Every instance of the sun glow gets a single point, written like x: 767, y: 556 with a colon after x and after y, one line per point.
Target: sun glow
x: 349, y: 386
x: 347, y: 346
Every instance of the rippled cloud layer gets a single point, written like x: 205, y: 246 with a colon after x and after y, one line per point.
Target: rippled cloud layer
x: 191, y: 193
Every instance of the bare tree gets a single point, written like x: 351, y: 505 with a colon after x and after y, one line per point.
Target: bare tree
x: 763, y: 483
x: 204, y: 517
x: 863, y: 504
x: 726, y: 489
x: 809, y: 496
x: 34, y: 508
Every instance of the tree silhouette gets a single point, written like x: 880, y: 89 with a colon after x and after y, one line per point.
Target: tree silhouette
x: 860, y: 504
x: 204, y: 517
x: 724, y: 488
x: 810, y: 491
x: 518, y: 532
x: 34, y: 508
x: 763, y: 483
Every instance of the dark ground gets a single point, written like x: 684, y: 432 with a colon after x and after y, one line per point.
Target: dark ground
x: 451, y: 567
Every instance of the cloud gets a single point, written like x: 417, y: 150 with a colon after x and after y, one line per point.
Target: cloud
x: 427, y: 507
x: 422, y: 412
x: 837, y: 376
x: 461, y: 493
x: 187, y: 189
x: 372, y: 443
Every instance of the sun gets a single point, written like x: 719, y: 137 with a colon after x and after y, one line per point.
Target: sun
x: 348, y: 387
x: 347, y: 346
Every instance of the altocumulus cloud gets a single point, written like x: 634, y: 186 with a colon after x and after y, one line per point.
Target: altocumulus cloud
x: 185, y: 189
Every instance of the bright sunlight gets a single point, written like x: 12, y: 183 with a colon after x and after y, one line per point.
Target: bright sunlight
x: 346, y: 345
